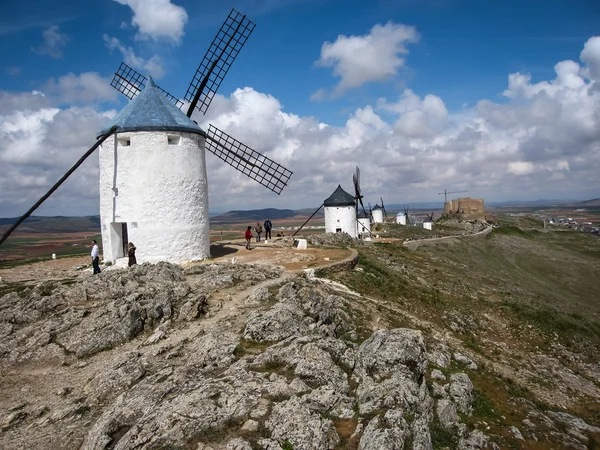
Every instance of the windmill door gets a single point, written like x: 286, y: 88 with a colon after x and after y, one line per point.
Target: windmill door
x: 125, y: 238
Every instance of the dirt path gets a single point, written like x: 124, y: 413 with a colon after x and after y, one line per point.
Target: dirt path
x: 289, y: 258
x: 415, y: 244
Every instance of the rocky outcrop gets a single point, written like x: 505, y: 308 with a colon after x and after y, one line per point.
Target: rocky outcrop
x: 278, y: 371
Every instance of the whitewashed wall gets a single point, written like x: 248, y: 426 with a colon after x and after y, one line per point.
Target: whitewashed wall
x: 428, y: 225
x: 343, y: 217
x: 364, y: 226
x: 160, y: 191
x: 401, y: 219
x: 377, y: 216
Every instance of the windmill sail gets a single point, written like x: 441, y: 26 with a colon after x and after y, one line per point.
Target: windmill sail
x: 250, y: 162
x: 218, y: 59
x: 130, y: 82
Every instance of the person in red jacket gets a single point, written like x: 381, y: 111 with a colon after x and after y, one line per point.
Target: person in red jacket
x: 248, y: 236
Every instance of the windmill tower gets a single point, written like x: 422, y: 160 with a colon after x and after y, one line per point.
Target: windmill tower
x: 377, y: 212
x: 340, y: 213
x: 428, y: 222
x: 362, y: 218
x: 402, y: 217
x: 153, y: 181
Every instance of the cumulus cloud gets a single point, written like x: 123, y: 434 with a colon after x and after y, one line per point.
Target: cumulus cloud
x: 591, y: 56
x: 83, y: 88
x: 152, y: 66
x: 375, y: 56
x: 39, y: 143
x: 545, y: 142
x: 157, y: 19
x: 54, y: 43
x: 417, y: 118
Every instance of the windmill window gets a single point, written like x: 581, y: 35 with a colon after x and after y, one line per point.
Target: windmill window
x: 173, y: 140
x: 124, y: 141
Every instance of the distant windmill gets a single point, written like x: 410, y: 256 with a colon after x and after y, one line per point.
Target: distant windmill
x: 341, y: 211
x: 357, y: 191
x: 428, y: 223
x: 384, y: 211
x: 363, y: 219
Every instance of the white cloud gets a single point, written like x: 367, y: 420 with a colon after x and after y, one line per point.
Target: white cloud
x: 591, y: 56
x: 157, y: 19
x: 38, y: 144
x: 520, y: 167
x: 543, y: 143
x: 375, y: 56
x: 418, y: 118
x: 152, y: 66
x: 54, y: 42
x: 83, y: 88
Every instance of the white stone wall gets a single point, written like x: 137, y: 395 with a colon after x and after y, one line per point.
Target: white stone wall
x: 428, y: 225
x: 343, y: 217
x: 160, y: 190
x: 377, y: 215
x: 401, y: 219
x: 364, y: 226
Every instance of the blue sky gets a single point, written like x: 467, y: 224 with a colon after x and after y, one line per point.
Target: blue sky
x: 466, y: 51
x: 450, y: 97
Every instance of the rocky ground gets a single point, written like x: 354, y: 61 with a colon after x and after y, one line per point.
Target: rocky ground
x: 253, y: 356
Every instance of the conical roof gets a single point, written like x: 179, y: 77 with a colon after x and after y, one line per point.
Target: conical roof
x: 362, y: 215
x: 151, y: 110
x: 339, y: 198
x: 376, y: 207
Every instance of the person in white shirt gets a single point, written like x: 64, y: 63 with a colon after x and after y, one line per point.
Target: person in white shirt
x: 95, y: 257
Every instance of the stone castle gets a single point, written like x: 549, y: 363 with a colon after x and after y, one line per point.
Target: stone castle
x: 466, y: 208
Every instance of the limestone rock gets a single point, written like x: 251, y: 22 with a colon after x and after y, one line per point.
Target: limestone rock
x: 446, y: 412
x: 294, y: 422
x: 461, y: 391
x: 437, y: 375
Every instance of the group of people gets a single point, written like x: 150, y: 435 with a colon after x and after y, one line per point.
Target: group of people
x: 267, y: 226
x: 96, y: 256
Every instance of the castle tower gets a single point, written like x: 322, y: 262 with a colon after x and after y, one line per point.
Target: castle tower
x: 153, y: 185
x: 340, y: 213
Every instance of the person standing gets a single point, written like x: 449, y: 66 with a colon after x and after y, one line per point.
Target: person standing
x: 258, y: 230
x: 131, y: 254
x: 268, y: 227
x: 95, y: 257
x: 248, y: 236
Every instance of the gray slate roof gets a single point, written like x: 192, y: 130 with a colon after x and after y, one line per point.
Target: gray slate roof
x: 376, y: 207
x: 339, y: 198
x: 150, y: 110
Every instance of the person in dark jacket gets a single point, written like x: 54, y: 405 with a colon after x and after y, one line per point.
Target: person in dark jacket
x: 131, y: 254
x: 248, y: 236
x: 268, y: 226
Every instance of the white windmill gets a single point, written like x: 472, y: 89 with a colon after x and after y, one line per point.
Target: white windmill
x: 340, y: 213
x: 153, y: 183
x: 428, y: 222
